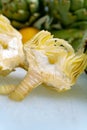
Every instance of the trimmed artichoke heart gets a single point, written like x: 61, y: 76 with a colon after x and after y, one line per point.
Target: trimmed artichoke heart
x: 55, y: 60
x: 11, y: 48
x: 51, y: 61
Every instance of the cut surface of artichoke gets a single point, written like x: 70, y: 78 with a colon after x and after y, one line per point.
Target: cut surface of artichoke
x: 11, y: 48
x: 65, y: 65
x: 53, y: 62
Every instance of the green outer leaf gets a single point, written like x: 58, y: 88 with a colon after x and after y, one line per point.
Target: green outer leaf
x: 18, y: 25
x: 81, y: 14
x: 33, y: 5
x: 76, y: 4
x: 80, y: 25
x: 85, y: 3
x: 21, y: 15
x: 63, y: 7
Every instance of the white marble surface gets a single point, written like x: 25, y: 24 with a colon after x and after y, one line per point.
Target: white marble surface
x: 45, y: 109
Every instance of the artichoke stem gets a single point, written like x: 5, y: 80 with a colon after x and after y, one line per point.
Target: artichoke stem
x: 31, y: 80
x: 4, y: 90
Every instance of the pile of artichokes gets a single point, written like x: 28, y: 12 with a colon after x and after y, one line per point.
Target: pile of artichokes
x: 57, y: 14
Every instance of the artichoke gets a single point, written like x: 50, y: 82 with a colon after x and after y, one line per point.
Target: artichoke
x: 51, y: 61
x: 11, y: 51
x: 11, y: 48
x: 68, y: 13
x: 22, y: 13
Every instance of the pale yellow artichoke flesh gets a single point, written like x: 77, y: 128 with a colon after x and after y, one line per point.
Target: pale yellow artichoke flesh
x: 54, y: 61
x: 11, y: 47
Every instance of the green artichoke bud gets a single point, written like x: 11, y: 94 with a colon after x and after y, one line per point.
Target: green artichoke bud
x: 67, y: 13
x: 21, y: 12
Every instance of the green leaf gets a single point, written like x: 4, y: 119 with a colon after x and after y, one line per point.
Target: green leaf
x: 76, y: 4
x: 81, y: 14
